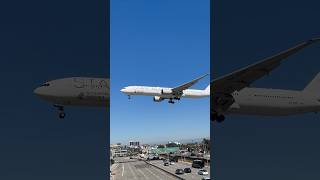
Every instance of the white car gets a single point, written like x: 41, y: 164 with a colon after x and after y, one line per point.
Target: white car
x: 203, y: 172
x: 205, y: 178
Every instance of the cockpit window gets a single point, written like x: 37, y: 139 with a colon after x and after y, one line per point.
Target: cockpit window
x: 45, y: 84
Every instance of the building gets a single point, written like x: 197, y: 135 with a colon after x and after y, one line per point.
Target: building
x: 116, y: 150
x: 134, y: 144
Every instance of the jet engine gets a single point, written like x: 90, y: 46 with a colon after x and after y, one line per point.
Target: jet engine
x: 166, y: 91
x: 157, y: 99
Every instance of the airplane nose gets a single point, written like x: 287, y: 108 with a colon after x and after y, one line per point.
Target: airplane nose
x: 122, y: 90
x: 37, y: 91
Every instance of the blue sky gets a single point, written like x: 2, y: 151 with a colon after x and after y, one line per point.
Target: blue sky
x: 158, y: 43
x: 249, y: 147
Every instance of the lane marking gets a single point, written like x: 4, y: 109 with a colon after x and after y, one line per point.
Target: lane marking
x: 154, y: 174
x: 122, y: 170
x: 133, y: 173
x: 165, y: 174
x: 144, y: 175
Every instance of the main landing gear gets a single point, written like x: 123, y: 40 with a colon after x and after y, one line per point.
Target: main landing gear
x: 171, y: 101
x: 62, y: 114
x: 217, y: 117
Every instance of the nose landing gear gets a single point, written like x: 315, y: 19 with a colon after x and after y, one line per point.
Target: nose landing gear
x: 62, y: 114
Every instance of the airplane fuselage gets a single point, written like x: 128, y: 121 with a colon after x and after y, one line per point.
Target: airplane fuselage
x: 272, y: 102
x: 76, y: 91
x: 163, y: 92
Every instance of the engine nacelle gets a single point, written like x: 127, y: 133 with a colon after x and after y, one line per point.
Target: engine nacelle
x: 166, y: 91
x: 157, y: 99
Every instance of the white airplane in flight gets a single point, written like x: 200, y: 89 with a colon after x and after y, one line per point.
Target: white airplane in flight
x: 75, y: 91
x: 231, y: 93
x: 162, y: 93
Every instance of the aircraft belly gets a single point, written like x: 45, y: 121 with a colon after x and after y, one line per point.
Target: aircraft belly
x: 84, y: 102
x: 80, y: 100
x: 270, y: 110
x: 192, y: 96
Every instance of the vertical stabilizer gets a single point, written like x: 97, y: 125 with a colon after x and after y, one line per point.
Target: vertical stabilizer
x: 313, y: 87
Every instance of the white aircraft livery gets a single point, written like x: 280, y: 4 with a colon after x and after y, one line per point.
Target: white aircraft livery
x: 231, y: 93
x: 75, y: 91
x: 162, y: 93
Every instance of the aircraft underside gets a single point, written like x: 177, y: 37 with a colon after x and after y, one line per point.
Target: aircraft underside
x: 264, y: 111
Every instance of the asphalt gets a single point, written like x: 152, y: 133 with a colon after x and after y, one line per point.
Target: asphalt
x: 134, y: 169
x: 138, y: 170
x: 181, y: 165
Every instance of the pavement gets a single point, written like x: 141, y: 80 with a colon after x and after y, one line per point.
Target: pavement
x: 181, y: 165
x: 134, y: 169
x: 138, y: 170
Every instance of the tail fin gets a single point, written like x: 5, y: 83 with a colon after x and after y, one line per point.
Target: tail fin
x: 314, y: 86
x: 207, y: 89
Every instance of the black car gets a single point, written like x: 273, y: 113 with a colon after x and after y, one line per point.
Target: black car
x: 179, y: 171
x: 187, y: 170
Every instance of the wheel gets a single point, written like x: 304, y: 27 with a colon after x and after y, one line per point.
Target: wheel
x: 62, y: 115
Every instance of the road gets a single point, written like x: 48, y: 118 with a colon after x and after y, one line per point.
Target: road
x: 134, y: 169
x: 131, y: 169
x: 181, y: 165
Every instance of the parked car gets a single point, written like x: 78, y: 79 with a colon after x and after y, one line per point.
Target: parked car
x: 179, y: 171
x: 203, y: 172
x: 171, y: 162
x: 166, y: 163
x: 187, y: 170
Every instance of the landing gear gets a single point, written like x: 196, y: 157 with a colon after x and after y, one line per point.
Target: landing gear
x: 129, y: 97
x: 217, y: 117
x: 62, y: 114
x: 171, y: 101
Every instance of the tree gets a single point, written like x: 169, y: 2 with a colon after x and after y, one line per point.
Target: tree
x: 206, y: 144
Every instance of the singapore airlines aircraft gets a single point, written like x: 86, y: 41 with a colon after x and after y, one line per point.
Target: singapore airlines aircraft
x: 75, y: 91
x: 162, y: 93
x: 231, y: 93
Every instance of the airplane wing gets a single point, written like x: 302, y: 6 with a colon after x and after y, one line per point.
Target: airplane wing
x: 178, y: 90
x: 242, y: 78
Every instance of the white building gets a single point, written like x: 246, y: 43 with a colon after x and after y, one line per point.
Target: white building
x: 116, y: 150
